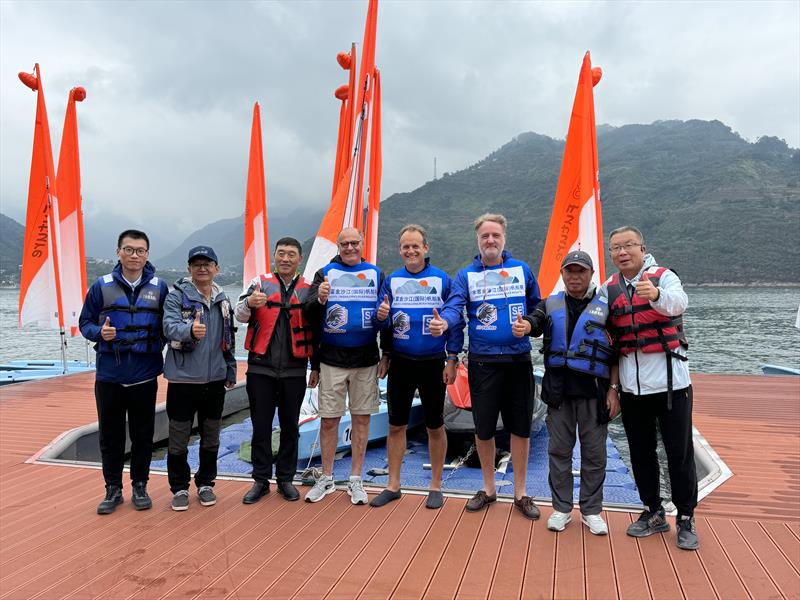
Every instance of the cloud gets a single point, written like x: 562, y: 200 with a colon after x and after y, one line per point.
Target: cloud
x: 165, y: 127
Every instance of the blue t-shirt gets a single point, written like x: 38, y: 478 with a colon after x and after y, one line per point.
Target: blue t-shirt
x: 348, y: 313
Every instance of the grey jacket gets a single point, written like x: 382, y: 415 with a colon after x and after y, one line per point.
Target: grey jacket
x: 206, y: 361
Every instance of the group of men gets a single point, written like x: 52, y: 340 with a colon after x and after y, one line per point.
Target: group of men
x: 617, y: 347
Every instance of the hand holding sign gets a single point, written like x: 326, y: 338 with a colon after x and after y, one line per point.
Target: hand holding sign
x: 107, y: 332
x: 324, y: 291
x: 645, y: 288
x: 437, y: 324
x: 384, y: 308
x: 198, y: 328
x: 520, y: 327
x: 258, y: 298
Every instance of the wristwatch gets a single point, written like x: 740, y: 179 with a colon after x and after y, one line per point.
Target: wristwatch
x: 615, y: 387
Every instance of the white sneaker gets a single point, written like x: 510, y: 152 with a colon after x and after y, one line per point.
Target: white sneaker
x: 558, y: 521
x: 355, y: 488
x: 322, y: 488
x: 595, y: 523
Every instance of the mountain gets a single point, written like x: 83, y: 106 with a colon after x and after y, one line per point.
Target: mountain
x: 713, y: 206
x: 12, y: 236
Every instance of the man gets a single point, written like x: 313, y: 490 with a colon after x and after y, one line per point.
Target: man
x: 418, y: 359
x: 646, y: 303
x: 280, y: 342
x: 343, y: 297
x: 122, y: 315
x: 578, y: 358
x: 496, y: 289
x: 198, y: 323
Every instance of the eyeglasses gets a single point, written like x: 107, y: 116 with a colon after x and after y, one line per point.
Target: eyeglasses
x: 354, y: 244
x: 128, y: 251
x: 199, y: 266
x: 617, y: 248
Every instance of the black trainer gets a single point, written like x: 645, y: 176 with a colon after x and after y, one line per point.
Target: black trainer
x: 256, y: 492
x: 687, y: 536
x: 649, y: 523
x: 139, y: 497
x: 288, y: 491
x: 111, y: 501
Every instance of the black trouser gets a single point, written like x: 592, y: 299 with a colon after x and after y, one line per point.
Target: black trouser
x: 184, y: 400
x: 266, y: 394
x: 115, y: 402
x: 639, y: 416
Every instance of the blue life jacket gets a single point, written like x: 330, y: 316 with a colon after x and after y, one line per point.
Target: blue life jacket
x: 413, y: 296
x: 351, y: 304
x: 139, y: 324
x: 589, y: 350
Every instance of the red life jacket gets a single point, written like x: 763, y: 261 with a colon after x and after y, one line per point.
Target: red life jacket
x: 634, y: 324
x: 263, y: 319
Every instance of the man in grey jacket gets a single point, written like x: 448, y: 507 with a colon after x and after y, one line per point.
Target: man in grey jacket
x: 198, y: 322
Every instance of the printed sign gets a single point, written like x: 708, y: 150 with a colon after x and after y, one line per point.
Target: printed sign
x: 416, y: 293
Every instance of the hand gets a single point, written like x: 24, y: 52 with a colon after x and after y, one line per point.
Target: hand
x: 313, y: 379
x: 258, y: 298
x: 437, y: 325
x: 612, y: 402
x: 384, y: 308
x: 383, y: 366
x: 449, y: 373
x: 645, y: 288
x: 107, y: 332
x: 198, y: 328
x: 324, y: 291
x: 521, y: 327
x: 229, y: 385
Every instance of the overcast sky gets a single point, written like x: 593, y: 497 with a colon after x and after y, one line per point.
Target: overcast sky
x: 164, y: 131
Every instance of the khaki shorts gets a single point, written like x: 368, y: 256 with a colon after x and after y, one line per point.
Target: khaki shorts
x: 336, y: 384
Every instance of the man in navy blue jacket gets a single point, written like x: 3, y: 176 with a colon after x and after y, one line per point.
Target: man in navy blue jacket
x: 496, y: 290
x: 122, y: 314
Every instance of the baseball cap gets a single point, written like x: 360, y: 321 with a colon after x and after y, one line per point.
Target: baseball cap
x: 578, y: 257
x: 204, y: 251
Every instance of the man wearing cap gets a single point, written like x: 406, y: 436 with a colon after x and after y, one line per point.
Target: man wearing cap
x: 198, y: 324
x: 578, y: 358
x: 122, y: 315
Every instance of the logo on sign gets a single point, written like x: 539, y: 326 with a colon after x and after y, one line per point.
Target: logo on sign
x: 401, y: 323
x: 336, y: 318
x: 366, y: 317
x: 486, y: 314
x: 514, y: 310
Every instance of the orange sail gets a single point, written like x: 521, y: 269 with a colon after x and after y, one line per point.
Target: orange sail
x: 68, y: 182
x: 375, y: 169
x: 40, y: 284
x: 256, y: 242
x: 576, y: 222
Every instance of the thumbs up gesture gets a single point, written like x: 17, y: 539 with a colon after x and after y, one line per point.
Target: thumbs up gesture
x: 384, y: 308
x: 645, y: 288
x: 198, y: 327
x: 437, y: 324
x: 324, y: 291
x: 258, y: 298
x: 520, y: 327
x: 107, y: 332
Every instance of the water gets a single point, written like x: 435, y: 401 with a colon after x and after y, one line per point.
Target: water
x: 730, y: 330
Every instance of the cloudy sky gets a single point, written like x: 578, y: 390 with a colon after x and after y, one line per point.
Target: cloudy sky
x: 165, y: 127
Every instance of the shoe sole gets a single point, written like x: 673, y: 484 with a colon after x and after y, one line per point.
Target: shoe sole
x: 592, y: 531
x: 686, y: 547
x: 253, y: 501
x: 108, y: 511
x: 180, y: 508
x: 143, y: 506
x: 663, y: 529
x: 562, y: 528
x: 207, y: 503
x: 287, y: 498
x: 329, y: 490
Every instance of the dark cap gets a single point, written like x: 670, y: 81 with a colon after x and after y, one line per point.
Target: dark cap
x: 578, y: 257
x: 204, y: 251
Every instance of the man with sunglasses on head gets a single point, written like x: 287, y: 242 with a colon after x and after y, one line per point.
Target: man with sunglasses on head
x: 342, y: 300
x: 122, y: 314
x: 199, y: 325
x: 646, y: 303
x: 497, y: 291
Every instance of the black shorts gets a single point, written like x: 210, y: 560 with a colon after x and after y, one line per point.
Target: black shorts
x: 501, y: 388
x: 405, y: 377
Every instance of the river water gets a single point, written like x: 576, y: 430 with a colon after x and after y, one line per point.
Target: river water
x: 730, y: 330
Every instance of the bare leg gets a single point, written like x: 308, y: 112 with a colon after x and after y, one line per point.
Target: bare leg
x: 358, y: 442
x: 519, y: 458
x: 437, y: 448
x: 487, y: 452
x: 328, y: 435
x: 397, y: 450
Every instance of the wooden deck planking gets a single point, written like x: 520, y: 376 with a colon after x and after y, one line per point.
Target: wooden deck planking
x: 53, y: 545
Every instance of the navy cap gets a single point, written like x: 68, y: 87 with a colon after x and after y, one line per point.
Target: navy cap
x: 205, y: 252
x: 580, y: 258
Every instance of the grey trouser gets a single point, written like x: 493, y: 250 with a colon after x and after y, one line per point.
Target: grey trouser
x: 561, y: 424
